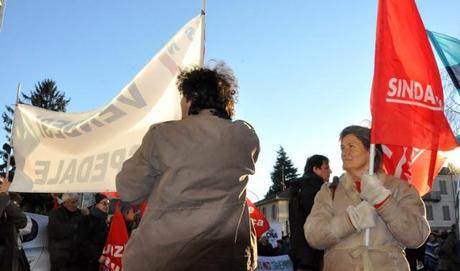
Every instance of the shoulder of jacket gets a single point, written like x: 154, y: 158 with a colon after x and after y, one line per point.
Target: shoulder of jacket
x: 244, y: 123
x: 161, y: 126
x: 325, y: 188
x: 399, y: 186
x: 392, y: 181
x: 157, y: 126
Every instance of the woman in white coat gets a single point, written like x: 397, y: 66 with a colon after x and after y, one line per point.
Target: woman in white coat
x: 388, y: 206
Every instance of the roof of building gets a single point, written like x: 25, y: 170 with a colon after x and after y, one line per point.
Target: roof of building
x: 283, y: 195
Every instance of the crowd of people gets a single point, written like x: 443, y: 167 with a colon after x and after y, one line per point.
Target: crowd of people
x: 441, y: 252
x: 266, y: 248
x: 77, y: 235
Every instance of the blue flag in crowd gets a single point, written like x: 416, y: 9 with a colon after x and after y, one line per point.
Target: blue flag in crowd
x: 448, y: 50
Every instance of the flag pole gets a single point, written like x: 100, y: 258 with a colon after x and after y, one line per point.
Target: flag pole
x: 8, y: 161
x: 367, y: 232
x: 203, y: 31
x: 2, y: 12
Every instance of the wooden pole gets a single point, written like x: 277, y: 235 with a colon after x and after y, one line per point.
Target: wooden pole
x: 203, y: 31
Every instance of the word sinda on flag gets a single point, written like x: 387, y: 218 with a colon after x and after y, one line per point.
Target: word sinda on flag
x: 413, y: 93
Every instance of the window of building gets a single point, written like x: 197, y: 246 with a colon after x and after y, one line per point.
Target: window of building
x: 429, y: 212
x: 274, y: 211
x: 263, y: 211
x: 445, y: 212
x: 443, y: 187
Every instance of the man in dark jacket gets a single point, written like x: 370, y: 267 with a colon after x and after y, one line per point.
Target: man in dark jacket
x: 11, y: 220
x: 92, y: 234
x: 303, y: 191
x: 62, y: 233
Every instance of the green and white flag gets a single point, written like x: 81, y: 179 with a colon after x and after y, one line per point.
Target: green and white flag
x: 448, y: 49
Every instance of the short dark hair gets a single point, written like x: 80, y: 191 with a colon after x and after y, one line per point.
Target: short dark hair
x: 99, y: 197
x: 213, y: 87
x: 16, y: 197
x: 125, y: 207
x: 364, y: 135
x: 313, y: 161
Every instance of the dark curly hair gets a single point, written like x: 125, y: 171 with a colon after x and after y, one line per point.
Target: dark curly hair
x: 208, y: 87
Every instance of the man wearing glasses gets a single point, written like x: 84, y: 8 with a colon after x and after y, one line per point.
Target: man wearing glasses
x: 92, y: 234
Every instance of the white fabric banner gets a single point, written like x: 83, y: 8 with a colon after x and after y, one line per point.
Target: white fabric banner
x: 83, y: 152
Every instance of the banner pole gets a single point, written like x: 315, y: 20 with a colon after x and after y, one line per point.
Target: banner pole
x: 367, y: 232
x: 8, y: 160
x: 371, y: 159
x: 203, y: 32
x: 2, y: 12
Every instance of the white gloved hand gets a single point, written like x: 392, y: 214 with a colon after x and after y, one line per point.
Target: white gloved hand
x: 372, y: 189
x: 362, y: 216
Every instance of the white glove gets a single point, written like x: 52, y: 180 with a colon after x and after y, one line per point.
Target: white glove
x: 362, y: 216
x: 372, y: 189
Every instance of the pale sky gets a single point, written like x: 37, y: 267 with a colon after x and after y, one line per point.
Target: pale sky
x: 304, y: 67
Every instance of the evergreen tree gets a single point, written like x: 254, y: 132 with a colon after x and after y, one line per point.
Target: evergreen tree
x: 6, y: 150
x: 45, y: 95
x: 283, y: 172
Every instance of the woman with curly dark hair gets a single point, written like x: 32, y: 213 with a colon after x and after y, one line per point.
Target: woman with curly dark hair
x: 194, y: 173
x: 205, y: 88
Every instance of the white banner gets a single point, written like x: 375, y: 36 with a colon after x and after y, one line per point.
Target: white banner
x: 37, y: 249
x: 83, y: 152
x: 277, y: 263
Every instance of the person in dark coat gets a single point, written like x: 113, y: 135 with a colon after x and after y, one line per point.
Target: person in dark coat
x: 415, y: 257
x: 431, y: 253
x: 11, y: 220
x: 92, y: 234
x: 264, y: 247
x: 448, y: 260
x: 62, y: 233
x: 303, y: 191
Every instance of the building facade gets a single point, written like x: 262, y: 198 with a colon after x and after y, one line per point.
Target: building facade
x: 442, y: 202
x: 276, y: 211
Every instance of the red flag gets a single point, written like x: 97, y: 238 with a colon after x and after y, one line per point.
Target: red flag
x: 413, y: 165
x: 116, y: 243
x: 258, y: 219
x: 112, y: 195
x: 407, y: 99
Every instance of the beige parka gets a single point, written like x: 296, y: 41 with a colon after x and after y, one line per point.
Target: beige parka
x: 194, y: 174
x: 401, y: 223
